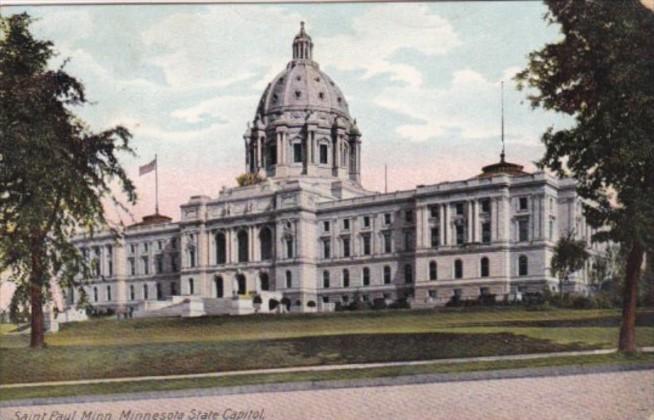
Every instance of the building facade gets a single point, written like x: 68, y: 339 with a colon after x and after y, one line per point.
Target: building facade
x: 310, y: 233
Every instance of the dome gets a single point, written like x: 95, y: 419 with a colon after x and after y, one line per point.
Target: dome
x: 302, y: 87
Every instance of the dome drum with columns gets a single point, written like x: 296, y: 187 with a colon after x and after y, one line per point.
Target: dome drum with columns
x: 302, y: 125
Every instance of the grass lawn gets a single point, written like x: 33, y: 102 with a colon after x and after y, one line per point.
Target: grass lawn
x: 177, y: 384
x: 111, y: 348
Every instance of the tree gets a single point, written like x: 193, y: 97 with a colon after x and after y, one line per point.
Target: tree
x: 55, y: 172
x: 247, y: 179
x: 570, y: 255
x: 601, y: 74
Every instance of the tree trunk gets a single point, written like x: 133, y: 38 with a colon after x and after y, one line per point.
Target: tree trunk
x: 37, y: 339
x: 627, y: 341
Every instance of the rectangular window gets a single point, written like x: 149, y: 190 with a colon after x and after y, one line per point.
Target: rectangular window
x: 408, y: 216
x: 366, y: 221
x: 434, y: 212
x: 366, y: 245
x: 132, y: 267
x: 523, y: 230
x: 485, y: 206
x: 486, y: 232
x: 323, y: 154
x: 325, y: 226
x: 109, y: 293
x: 173, y: 243
x: 272, y: 155
x: 346, y: 224
x: 387, y: 275
x: 131, y: 292
x: 326, y: 249
x: 173, y: 263
x: 523, y: 203
x: 459, y: 209
x: 145, y: 247
x: 146, y: 266
x: 289, y: 248
x: 132, y: 249
x: 159, y: 263
x: 297, y: 153
x: 346, y: 247
x: 387, y: 242
x: 408, y: 240
x: 173, y: 289
x: 432, y: 294
x: 110, y: 268
x: 387, y: 219
x: 159, y: 245
x: 435, y: 237
x: 460, y: 235
x: 191, y: 257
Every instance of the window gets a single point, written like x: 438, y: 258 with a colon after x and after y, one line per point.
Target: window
x: 110, y: 261
x: 158, y: 290
x: 523, y: 266
x: 523, y: 203
x: 346, y: 247
x: 523, y: 230
x: 109, y: 293
x: 173, y: 263
x: 219, y: 286
x: 264, y: 281
x: 408, y: 274
x: 485, y: 270
x: 460, y: 235
x: 366, y: 276
x: 266, y: 242
x: 346, y: 224
x: 458, y: 269
x: 132, y: 266
x: 326, y: 248
x: 95, y: 294
x: 289, y: 279
x: 297, y: 153
x: 551, y: 230
x: 366, y: 244
x: 366, y: 221
x: 221, y: 248
x: 159, y: 262
x: 159, y: 245
x: 486, y: 232
x: 191, y: 256
x: 242, y: 239
x: 289, y: 248
x: 146, y: 265
x: 131, y: 292
x: 132, y: 249
x: 435, y: 237
x: 408, y: 216
x: 325, y: 279
x: 387, y: 219
x: 325, y: 226
x: 346, y: 278
x: 173, y: 243
x: 484, y: 291
x: 387, y: 242
x: 434, y: 212
x: 485, y: 205
x: 324, y: 153
x: 145, y: 292
x: 191, y: 287
x: 433, y: 270
x: 408, y: 240
x: 458, y: 293
x: 173, y: 288
x: 145, y: 247
x: 459, y: 209
x: 325, y: 299
x: 241, y: 284
x: 387, y: 274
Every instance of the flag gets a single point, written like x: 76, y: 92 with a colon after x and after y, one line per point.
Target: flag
x: 148, y: 167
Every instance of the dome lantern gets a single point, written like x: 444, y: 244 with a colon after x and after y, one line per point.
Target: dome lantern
x: 302, y: 45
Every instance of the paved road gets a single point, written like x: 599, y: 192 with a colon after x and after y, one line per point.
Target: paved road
x: 615, y: 395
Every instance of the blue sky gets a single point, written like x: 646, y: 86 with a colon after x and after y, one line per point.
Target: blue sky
x: 421, y: 79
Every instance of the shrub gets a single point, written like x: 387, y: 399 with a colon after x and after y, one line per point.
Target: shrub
x: 311, y: 304
x: 273, y: 304
x: 455, y: 301
x: 486, y: 300
x: 401, y: 303
x: 286, y: 302
x: 257, y: 300
x: 379, y: 303
x: 582, y: 302
x: 248, y: 178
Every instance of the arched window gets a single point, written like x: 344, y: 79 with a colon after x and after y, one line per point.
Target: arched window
x: 242, y: 288
x: 219, y: 286
x: 523, y: 265
x: 433, y: 270
x: 265, y: 236
x: 324, y: 154
x: 265, y: 282
x: 221, y: 248
x: 408, y: 273
x: 325, y: 279
x: 242, y: 238
x: 485, y: 270
x: 191, y: 287
x: 289, y: 279
x: 346, y: 278
x: 366, y: 276
x: 387, y: 274
x: 458, y: 269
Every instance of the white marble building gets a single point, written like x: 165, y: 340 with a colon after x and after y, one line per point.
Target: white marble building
x: 311, y: 233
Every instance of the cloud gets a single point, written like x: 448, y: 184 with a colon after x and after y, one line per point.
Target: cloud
x: 224, y: 108
x: 382, y: 32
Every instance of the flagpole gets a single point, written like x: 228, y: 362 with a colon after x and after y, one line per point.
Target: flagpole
x: 156, y: 184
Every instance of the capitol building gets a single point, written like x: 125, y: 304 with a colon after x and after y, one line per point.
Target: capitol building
x: 309, y: 237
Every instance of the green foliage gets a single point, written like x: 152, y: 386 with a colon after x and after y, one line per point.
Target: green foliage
x: 248, y: 178
x: 55, y: 172
x: 570, y: 255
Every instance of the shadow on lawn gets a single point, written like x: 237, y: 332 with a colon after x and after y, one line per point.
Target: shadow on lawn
x: 645, y: 319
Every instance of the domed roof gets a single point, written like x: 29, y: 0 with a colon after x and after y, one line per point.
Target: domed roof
x: 302, y: 86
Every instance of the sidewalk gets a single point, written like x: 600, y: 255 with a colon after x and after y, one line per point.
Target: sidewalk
x: 319, y: 368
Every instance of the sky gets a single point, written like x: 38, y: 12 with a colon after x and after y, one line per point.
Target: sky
x: 422, y: 80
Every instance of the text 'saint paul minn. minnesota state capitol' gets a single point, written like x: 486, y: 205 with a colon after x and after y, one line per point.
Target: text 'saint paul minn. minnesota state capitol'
x: 311, y: 236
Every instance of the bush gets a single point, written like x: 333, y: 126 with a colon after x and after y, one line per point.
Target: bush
x: 311, y: 304
x: 379, y: 303
x: 257, y: 300
x: 286, y: 302
x: 454, y: 302
x: 401, y: 303
x: 486, y: 300
x: 273, y: 304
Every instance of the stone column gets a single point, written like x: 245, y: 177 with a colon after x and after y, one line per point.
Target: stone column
x: 441, y: 224
x: 470, y: 221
